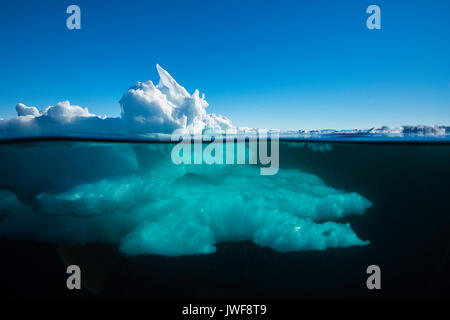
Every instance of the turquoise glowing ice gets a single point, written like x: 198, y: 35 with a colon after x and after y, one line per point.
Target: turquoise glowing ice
x: 155, y: 207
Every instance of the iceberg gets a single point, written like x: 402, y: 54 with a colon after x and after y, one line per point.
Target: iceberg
x: 145, y: 108
x: 134, y: 196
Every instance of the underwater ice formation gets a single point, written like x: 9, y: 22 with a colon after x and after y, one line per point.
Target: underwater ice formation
x: 316, y: 147
x: 141, y: 201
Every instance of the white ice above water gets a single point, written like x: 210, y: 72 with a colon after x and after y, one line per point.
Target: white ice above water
x: 146, y: 108
x: 166, y: 107
x: 150, y: 109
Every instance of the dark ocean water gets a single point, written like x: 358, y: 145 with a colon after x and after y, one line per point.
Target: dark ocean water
x: 408, y: 226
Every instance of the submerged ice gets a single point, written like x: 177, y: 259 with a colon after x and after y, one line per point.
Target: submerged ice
x: 132, y: 195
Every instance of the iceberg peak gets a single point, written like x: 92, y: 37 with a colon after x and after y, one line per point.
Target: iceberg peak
x: 145, y: 108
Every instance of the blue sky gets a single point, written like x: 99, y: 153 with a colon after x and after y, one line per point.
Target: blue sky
x: 273, y: 64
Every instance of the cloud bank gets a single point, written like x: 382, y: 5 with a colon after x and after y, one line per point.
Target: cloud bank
x: 145, y: 108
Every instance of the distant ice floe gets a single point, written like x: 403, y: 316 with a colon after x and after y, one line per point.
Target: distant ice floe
x: 422, y: 130
x: 420, y: 133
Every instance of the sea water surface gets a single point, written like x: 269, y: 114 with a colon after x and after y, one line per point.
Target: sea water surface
x: 140, y: 226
